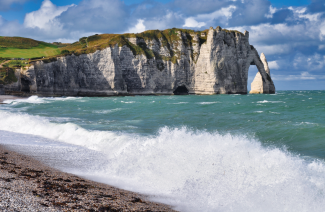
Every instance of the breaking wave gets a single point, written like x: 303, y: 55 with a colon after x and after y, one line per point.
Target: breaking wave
x: 192, y: 170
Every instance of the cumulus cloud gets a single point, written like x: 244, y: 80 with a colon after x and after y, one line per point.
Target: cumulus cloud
x: 44, y: 17
x: 69, y: 23
x: 208, y: 19
x: 191, y: 22
x: 139, y: 27
x: 273, y: 65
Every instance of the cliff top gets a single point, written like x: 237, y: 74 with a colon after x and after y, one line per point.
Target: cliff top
x: 18, y: 47
x: 92, y: 43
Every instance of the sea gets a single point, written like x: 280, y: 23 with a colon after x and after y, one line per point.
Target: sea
x: 196, y: 152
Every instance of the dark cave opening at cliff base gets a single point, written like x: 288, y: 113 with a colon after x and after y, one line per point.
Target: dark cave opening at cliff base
x: 25, y: 85
x: 181, y: 90
x: 251, y: 75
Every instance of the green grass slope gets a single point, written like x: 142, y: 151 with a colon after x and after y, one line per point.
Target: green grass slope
x: 17, y: 47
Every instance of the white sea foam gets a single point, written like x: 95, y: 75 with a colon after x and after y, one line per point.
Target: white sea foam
x: 62, y: 119
x: 305, y: 123
x: 192, y: 170
x: 258, y: 111
x: 274, y: 112
x: 178, y: 103
x: 207, y: 103
x: 32, y: 100
x: 106, y: 111
x: 130, y: 102
x: 265, y: 101
x: 41, y: 100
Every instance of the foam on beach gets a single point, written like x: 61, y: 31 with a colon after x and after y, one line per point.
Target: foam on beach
x: 194, y: 170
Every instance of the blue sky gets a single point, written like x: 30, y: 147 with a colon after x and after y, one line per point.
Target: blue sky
x: 291, y: 33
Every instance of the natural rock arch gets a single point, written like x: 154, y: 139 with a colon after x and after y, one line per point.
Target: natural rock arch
x: 262, y: 82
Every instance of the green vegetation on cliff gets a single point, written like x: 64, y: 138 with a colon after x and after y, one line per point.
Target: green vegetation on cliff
x: 17, y: 47
x: 170, y: 39
x: 7, y: 76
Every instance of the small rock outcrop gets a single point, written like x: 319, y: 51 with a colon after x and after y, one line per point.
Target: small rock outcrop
x: 214, y: 61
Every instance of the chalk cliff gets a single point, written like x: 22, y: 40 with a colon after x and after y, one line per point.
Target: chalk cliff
x: 215, y: 61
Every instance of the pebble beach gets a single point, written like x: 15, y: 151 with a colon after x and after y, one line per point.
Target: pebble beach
x: 28, y: 185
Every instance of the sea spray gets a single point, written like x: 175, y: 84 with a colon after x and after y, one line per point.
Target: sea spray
x: 193, y: 170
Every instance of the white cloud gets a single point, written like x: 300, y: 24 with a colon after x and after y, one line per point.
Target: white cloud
x: 223, y: 12
x: 139, y: 27
x: 313, y: 62
x: 302, y: 76
x: 273, y: 49
x: 44, y: 17
x: 322, y: 30
x: 203, y: 19
x: 191, y: 22
x: 168, y: 20
x: 273, y: 65
x: 271, y: 12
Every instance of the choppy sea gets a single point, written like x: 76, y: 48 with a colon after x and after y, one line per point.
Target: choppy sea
x: 196, y: 153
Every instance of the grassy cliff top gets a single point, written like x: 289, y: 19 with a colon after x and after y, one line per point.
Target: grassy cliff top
x: 18, y: 42
x: 18, y: 47
x: 89, y: 44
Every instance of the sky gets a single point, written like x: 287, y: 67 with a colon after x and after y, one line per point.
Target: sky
x: 291, y: 33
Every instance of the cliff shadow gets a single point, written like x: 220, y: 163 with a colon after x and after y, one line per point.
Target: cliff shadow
x: 25, y: 85
x: 181, y: 90
x: 132, y: 80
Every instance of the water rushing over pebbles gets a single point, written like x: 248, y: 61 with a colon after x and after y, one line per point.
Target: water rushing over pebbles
x: 197, y: 153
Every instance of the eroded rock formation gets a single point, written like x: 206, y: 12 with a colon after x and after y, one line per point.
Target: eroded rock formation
x: 257, y: 84
x: 218, y: 65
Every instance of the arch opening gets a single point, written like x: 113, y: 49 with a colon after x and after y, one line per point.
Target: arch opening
x: 252, y: 72
x: 181, y: 90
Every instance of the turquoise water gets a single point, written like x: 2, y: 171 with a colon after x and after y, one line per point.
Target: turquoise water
x: 181, y: 148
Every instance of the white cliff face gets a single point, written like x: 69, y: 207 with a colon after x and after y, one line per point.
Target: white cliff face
x: 218, y: 66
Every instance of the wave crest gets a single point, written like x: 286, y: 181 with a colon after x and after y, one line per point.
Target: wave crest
x: 193, y: 170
